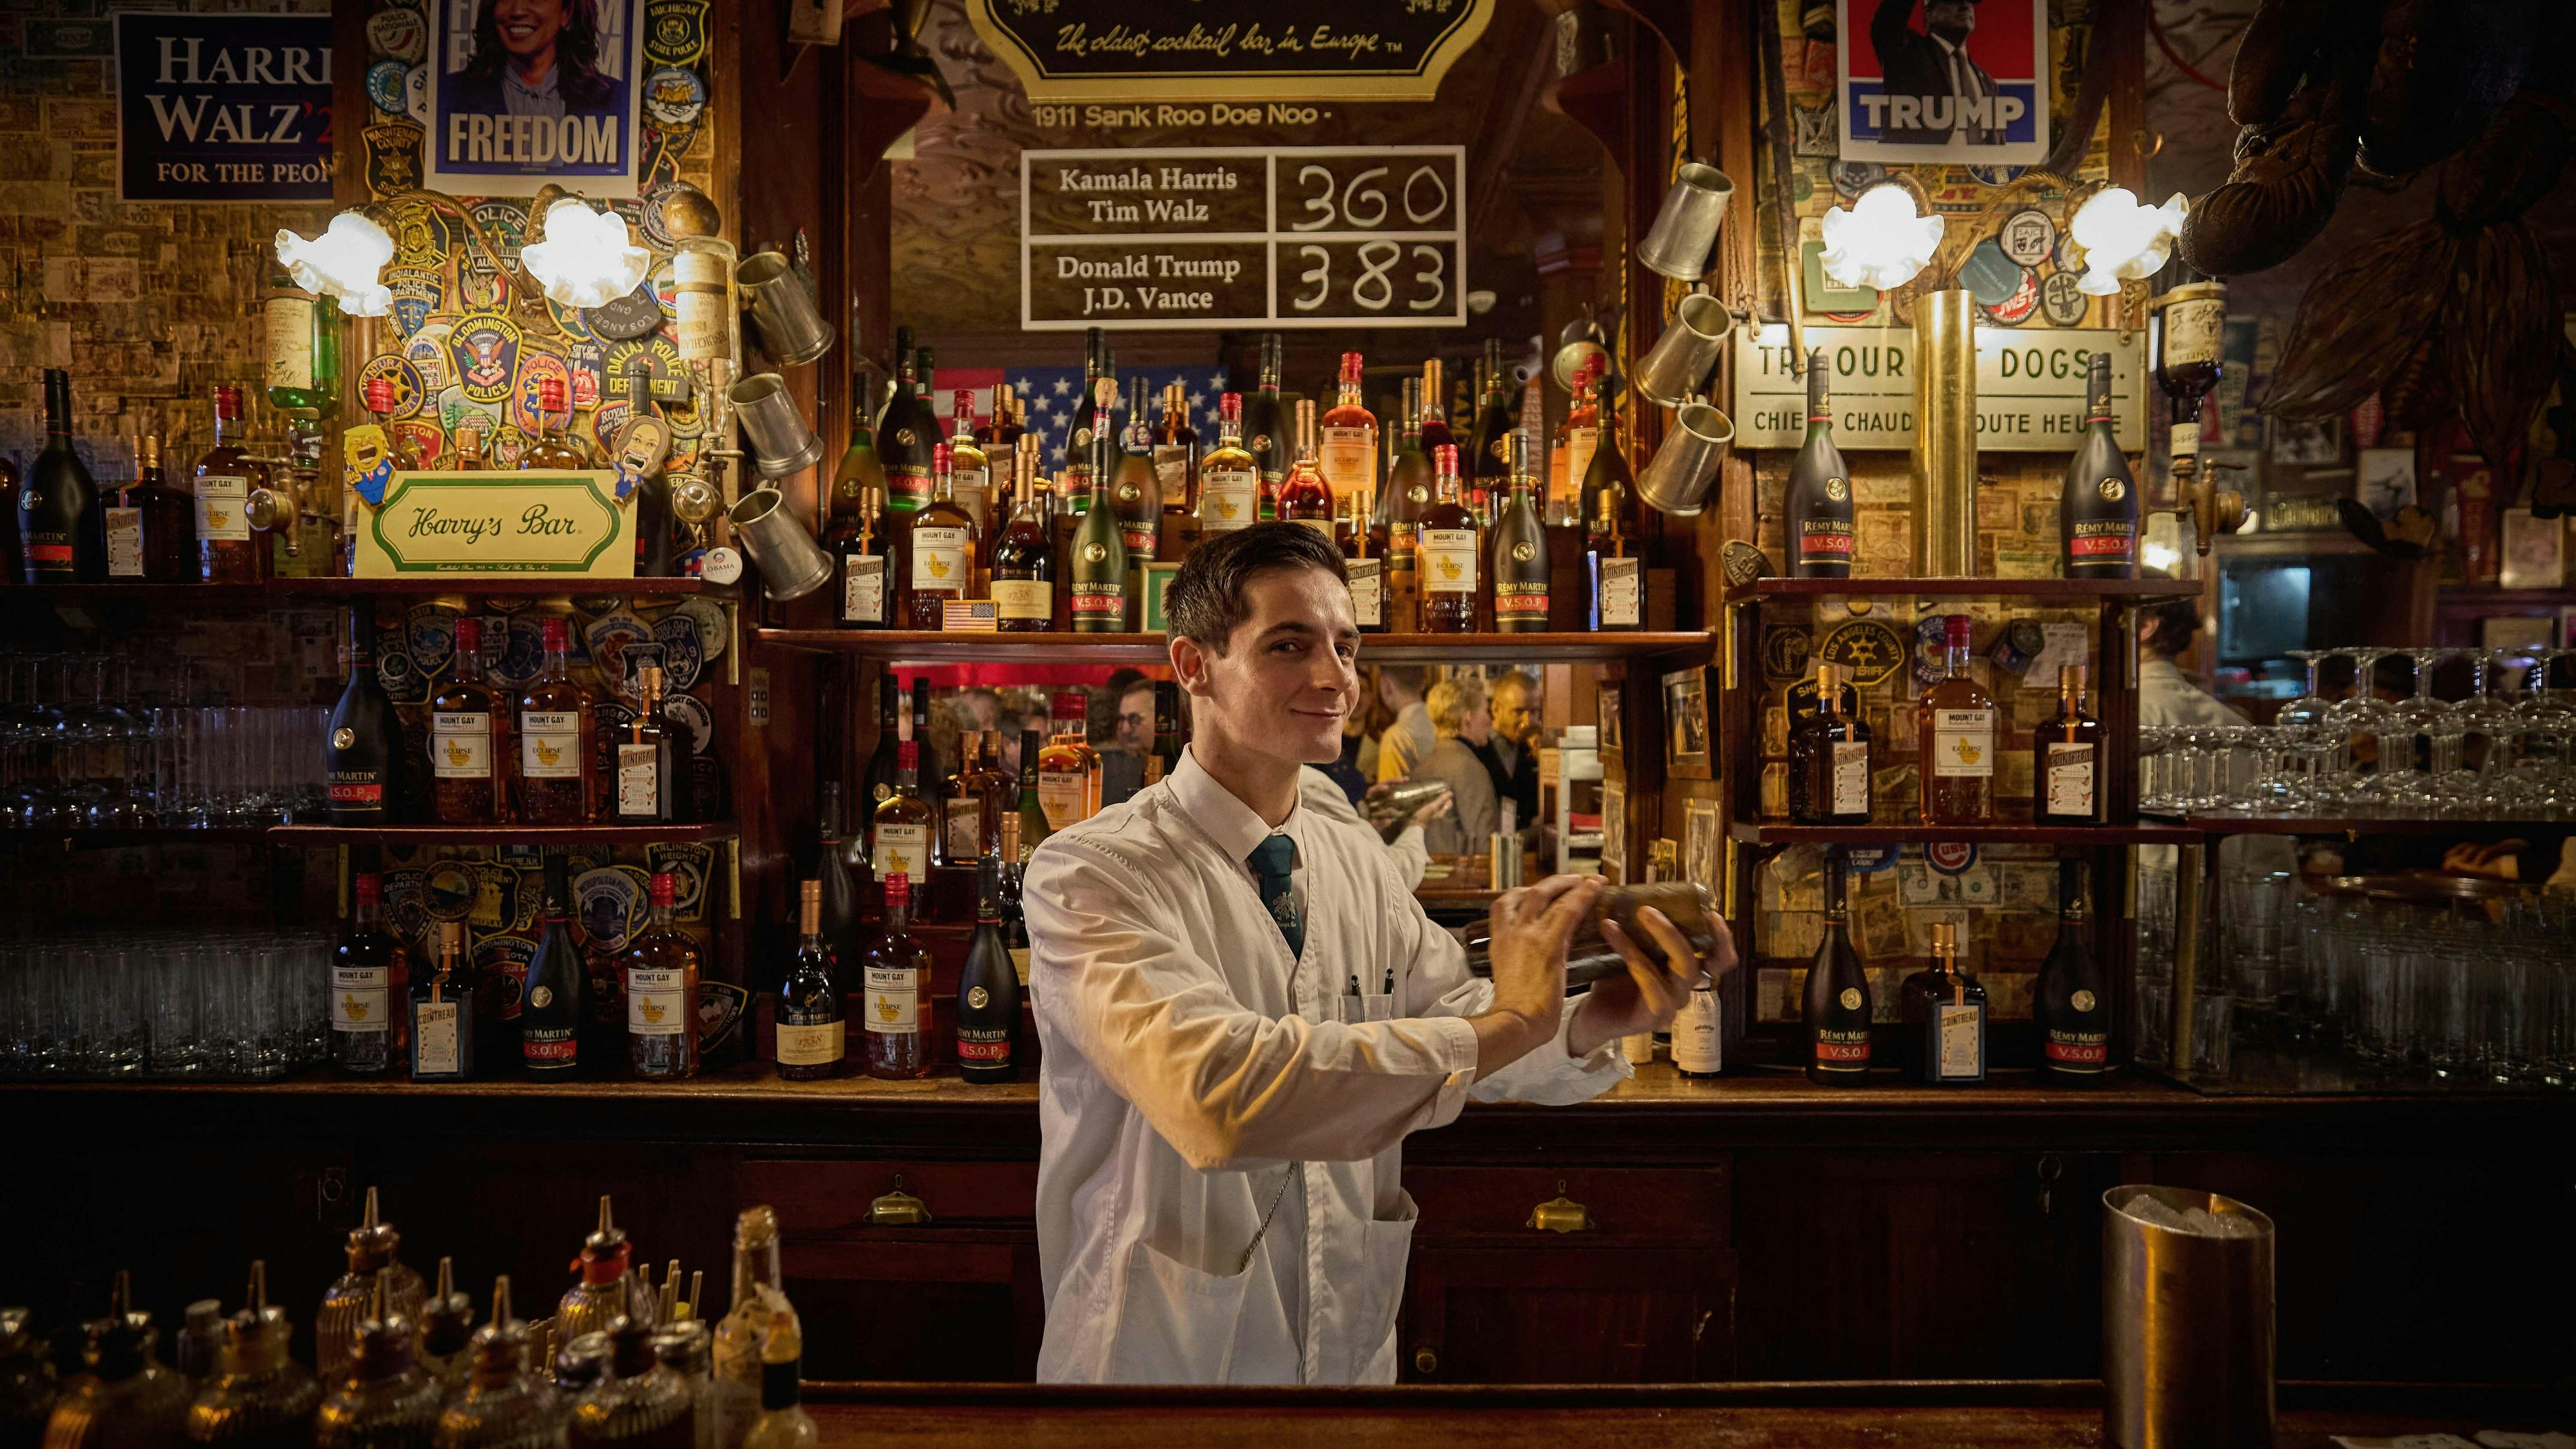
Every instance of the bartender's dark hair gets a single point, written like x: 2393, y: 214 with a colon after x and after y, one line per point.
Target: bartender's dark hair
x: 2176, y: 621
x: 1205, y: 602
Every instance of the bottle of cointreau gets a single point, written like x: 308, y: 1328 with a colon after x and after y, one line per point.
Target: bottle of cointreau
x: 1837, y: 1002
x: 1957, y: 738
x: 2097, y: 513
x: 1829, y: 762
x: 1943, y: 1010
x: 2066, y: 758
x: 1820, y: 528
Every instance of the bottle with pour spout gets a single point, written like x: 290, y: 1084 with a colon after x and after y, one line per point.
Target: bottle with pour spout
x: 602, y: 1296
x: 761, y: 1328
x: 385, y: 1399
x: 261, y: 1399
x: 447, y: 1333
x: 505, y: 1406
x: 350, y: 1301
x: 638, y: 1404
x: 127, y: 1399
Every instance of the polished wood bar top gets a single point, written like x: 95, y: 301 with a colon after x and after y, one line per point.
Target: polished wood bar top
x: 1736, y: 1416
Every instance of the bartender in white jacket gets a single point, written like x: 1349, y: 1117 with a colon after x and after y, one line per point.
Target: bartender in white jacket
x: 1245, y: 1012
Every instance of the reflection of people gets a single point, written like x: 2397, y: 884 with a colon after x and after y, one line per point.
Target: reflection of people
x: 538, y: 58
x: 1511, y: 754
x: 1461, y: 718
x: 1410, y: 738
x: 1318, y: 790
x: 1690, y: 719
x: 1245, y: 1013
x: 1122, y: 768
x: 2169, y: 699
x: 1934, y: 92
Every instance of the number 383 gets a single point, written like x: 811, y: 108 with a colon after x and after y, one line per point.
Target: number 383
x: 1373, y: 286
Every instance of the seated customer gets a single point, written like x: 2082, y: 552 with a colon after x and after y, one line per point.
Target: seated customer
x: 1460, y: 721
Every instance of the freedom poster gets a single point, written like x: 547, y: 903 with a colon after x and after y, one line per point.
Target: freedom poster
x: 526, y: 92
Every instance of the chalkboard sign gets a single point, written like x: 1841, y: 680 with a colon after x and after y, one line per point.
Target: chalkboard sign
x: 1188, y: 238
x: 1229, y: 50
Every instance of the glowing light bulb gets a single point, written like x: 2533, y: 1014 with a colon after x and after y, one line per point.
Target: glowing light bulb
x: 586, y: 259
x: 1879, y: 241
x: 2124, y: 239
x: 344, y: 262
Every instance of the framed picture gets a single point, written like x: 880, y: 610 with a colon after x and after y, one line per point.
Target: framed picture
x: 2317, y: 444
x: 2535, y: 551
x: 1964, y: 83
x: 2385, y: 480
x: 1613, y: 734
x: 2516, y: 632
x: 1699, y: 843
x: 2567, y: 626
x: 511, y: 110
x: 1686, y: 732
x: 1614, y: 831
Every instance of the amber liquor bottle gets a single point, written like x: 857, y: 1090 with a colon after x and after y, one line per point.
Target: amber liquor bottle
x: 1837, y: 1006
x: 1820, y: 528
x: 368, y: 976
x: 169, y: 520
x: 1829, y: 764
x: 811, y: 1037
x: 1448, y: 554
x: 1135, y: 489
x: 652, y: 768
x: 1577, y: 438
x: 2066, y: 758
x: 1409, y: 481
x: 900, y: 834
x: 662, y: 966
x: 469, y: 732
x: 1024, y: 555
x: 442, y: 1012
x: 1520, y: 555
x: 988, y: 987
x: 1616, y: 574
x: 1346, y: 440
x: 1957, y: 738
x: 558, y: 727
x: 1097, y: 565
x: 1304, y: 497
x: 2067, y: 1002
x: 895, y: 977
x: 939, y: 549
x: 1266, y: 420
x: 1230, y: 488
x: 556, y: 447
x: 228, y: 552
x: 970, y: 476
x: 2097, y: 513
x: 362, y: 753
x: 1176, y: 454
x: 1363, y: 566
x: 1943, y: 1014
x: 1069, y: 768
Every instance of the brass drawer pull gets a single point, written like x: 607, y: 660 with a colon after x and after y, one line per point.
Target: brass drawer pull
x: 1561, y: 1214
x: 1425, y: 1362
x: 897, y: 1208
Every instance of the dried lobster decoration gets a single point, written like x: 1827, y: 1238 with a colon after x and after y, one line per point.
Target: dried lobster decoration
x: 2479, y: 88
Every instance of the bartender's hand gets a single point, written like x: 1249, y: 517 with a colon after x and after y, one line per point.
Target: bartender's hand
x: 1531, y: 926
x: 1439, y: 806
x: 1647, y: 997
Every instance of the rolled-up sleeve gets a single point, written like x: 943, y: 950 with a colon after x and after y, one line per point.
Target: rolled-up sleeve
x: 1226, y: 1086
x: 1439, y: 985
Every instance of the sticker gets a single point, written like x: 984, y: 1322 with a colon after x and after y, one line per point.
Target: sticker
x: 607, y: 637
x: 586, y: 361
x: 367, y: 466
x: 1785, y: 648
x: 664, y: 284
x: 682, y: 654
x: 418, y: 291
x: 675, y: 31
x: 691, y: 866
x: 449, y: 890
x: 685, y: 711
x: 405, y: 378
x: 1951, y: 857
x: 2027, y: 237
x: 496, y: 896
x: 523, y: 651
x: 666, y: 377
x: 674, y: 97
x: 1851, y: 178
x: 399, y: 32
x: 1869, y: 859
x: 625, y: 319
x: 606, y: 423
x: 393, y: 155
x: 478, y: 283
x: 505, y: 224
x: 429, y: 634
x: 509, y: 444
x: 572, y: 322
x: 402, y: 679
x: 639, y: 450
x: 609, y: 903
x: 535, y: 369
x: 485, y: 347
x: 427, y: 439
x: 406, y: 913
x: 385, y: 86
x: 1989, y: 275
x: 688, y: 420
x: 2017, y: 308
x: 2062, y: 300
x: 663, y: 148
x: 720, y: 565
x: 709, y: 616
x: 1869, y: 648
x: 426, y: 351
x: 416, y: 94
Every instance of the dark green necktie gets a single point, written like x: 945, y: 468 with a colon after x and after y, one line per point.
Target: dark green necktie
x: 1272, y: 862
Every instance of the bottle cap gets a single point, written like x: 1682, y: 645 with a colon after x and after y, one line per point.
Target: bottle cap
x: 1945, y: 938
x: 2070, y: 678
x: 898, y: 889
x: 1229, y: 407
x: 940, y: 454
x: 1959, y: 630
x: 380, y: 394
x: 469, y: 635
x: 228, y: 399
x: 550, y: 394
x: 370, y: 890
x: 907, y: 755
x: 557, y: 633
x: 1350, y: 367
x: 1445, y: 458
x: 962, y: 407
x: 809, y: 892
x: 1071, y: 705
x: 662, y: 888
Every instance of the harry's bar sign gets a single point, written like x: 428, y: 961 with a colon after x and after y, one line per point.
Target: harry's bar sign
x: 223, y: 107
x: 497, y: 523
x: 1177, y: 237
x: 2030, y: 387
x: 1230, y: 50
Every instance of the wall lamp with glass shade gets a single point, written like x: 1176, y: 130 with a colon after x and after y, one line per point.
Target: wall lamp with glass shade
x: 586, y: 258
x: 2124, y: 240
x: 345, y: 263
x: 1880, y: 240
x: 578, y: 256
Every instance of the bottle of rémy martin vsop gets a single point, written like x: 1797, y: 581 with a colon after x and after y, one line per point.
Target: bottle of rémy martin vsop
x: 1837, y: 1002
x: 2097, y: 515
x: 2066, y: 1002
x: 1819, y: 541
x: 1520, y: 553
x: 1265, y: 419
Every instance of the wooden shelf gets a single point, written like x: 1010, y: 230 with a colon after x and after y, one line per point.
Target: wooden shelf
x: 71, y: 839
x: 72, y: 595
x: 933, y: 646
x: 1766, y: 832
x: 1966, y: 589
x: 2356, y: 825
x: 502, y: 584
x: 418, y: 835
x: 2473, y: 602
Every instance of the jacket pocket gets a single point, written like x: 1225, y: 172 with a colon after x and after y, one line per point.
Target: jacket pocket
x: 1386, y: 1246
x: 1182, y: 1325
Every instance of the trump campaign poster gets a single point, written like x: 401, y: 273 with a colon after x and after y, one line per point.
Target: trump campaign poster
x: 1944, y: 80
x: 526, y: 92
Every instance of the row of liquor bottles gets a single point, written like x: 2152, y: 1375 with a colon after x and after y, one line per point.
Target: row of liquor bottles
x: 539, y: 755
x: 2097, y: 514
x: 1453, y: 541
x: 399, y: 1363
x: 1833, y: 758
x: 1941, y: 1038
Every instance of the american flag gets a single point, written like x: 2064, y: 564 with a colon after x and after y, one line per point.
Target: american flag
x: 1050, y: 393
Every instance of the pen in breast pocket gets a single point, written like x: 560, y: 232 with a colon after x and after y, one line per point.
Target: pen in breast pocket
x: 1355, y: 983
x: 1390, y: 981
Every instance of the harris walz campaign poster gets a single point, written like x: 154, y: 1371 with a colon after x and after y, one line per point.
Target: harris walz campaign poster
x: 1944, y: 80
x: 526, y: 92
x: 223, y: 108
